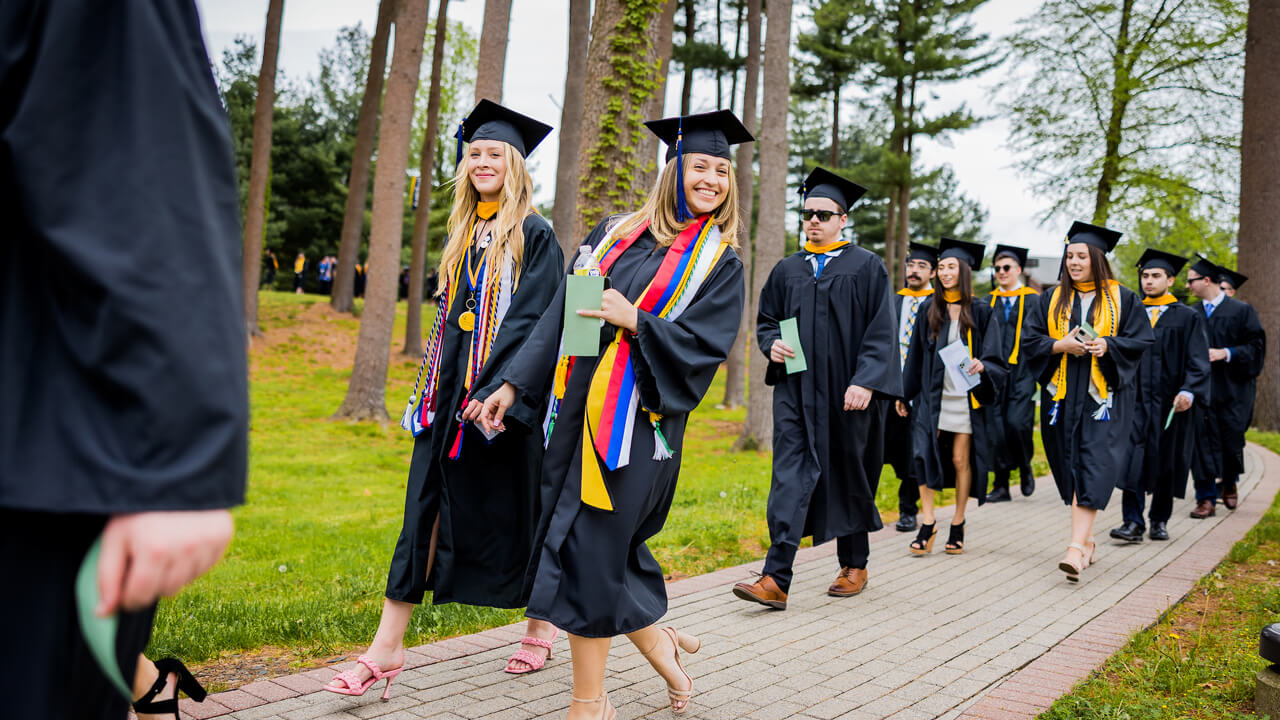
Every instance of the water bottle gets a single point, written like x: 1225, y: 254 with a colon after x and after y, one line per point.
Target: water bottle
x: 586, y: 263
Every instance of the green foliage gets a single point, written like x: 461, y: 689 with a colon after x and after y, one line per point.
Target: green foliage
x: 1181, y: 222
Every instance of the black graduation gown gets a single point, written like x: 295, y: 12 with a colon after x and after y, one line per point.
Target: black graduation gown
x: 595, y: 577
x: 897, y: 429
x: 1012, y: 420
x: 1087, y: 456
x: 826, y: 460
x: 923, y: 379
x: 1177, y: 361
x: 1220, y: 449
x: 487, y: 499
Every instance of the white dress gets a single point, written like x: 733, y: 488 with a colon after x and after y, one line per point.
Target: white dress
x: 954, y: 409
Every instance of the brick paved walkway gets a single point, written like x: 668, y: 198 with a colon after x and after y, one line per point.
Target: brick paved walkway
x: 995, y: 633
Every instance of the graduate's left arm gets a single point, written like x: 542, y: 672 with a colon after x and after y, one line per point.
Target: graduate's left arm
x: 990, y: 352
x: 1245, y: 359
x: 877, y: 369
x: 675, y: 362
x: 1199, y: 372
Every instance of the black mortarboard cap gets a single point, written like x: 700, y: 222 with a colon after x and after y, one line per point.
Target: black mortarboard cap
x: 1168, y: 262
x: 1104, y: 239
x: 491, y: 121
x: 1019, y: 254
x: 712, y: 133
x: 1232, y: 277
x: 1206, y: 268
x: 920, y: 251
x: 969, y: 252
x: 822, y: 183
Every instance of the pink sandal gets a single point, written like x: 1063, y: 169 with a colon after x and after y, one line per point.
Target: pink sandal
x: 533, y: 661
x: 357, y: 688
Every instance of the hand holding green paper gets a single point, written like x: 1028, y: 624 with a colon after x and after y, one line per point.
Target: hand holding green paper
x: 791, y: 336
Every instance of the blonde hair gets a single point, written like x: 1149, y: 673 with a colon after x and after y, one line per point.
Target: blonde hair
x: 659, y: 208
x: 516, y: 202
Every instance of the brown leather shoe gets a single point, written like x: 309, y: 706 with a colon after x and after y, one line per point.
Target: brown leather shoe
x: 848, y: 583
x: 1229, y: 497
x: 1204, y: 509
x: 764, y: 591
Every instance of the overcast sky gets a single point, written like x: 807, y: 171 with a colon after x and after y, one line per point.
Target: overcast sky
x: 534, y: 83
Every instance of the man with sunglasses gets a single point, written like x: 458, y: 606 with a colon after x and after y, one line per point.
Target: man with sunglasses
x: 1236, y: 349
x: 1013, y: 418
x: 828, y: 418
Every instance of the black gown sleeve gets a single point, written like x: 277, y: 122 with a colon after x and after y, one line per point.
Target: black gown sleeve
x: 1199, y: 374
x: 769, y: 313
x: 877, y: 354
x: 540, y: 279
x: 995, y: 367
x: 1125, y: 348
x: 913, y: 381
x: 1037, y: 344
x: 1247, y: 357
x: 675, y: 362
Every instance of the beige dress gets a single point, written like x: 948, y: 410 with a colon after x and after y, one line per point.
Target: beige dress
x: 953, y: 413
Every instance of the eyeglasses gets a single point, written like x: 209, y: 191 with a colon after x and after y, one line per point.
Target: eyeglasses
x: 1004, y: 268
x: 1194, y: 280
x: 822, y: 215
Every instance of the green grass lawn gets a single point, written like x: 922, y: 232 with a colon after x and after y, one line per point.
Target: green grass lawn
x: 307, y: 568
x: 1200, y: 660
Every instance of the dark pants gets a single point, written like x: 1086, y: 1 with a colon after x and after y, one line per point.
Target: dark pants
x: 852, y: 551
x: 908, y: 496
x: 52, y: 674
x: 1132, y: 505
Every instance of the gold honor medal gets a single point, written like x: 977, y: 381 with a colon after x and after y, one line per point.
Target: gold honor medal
x: 467, y: 321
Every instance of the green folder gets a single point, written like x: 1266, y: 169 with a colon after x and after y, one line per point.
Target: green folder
x: 1169, y: 420
x: 99, y: 632
x: 582, y: 334
x: 791, y: 336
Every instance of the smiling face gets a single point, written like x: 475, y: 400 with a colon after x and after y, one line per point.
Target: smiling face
x: 819, y: 231
x: 1078, y: 267
x: 706, y: 182
x: 1007, y: 272
x: 919, y: 273
x: 487, y: 167
x: 1156, y: 282
x: 949, y: 273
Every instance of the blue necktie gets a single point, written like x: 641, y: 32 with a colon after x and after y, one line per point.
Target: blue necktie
x: 1208, y: 310
x: 822, y: 262
x: 1008, y: 306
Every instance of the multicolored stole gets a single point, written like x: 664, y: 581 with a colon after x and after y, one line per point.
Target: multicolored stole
x: 1021, y: 294
x: 493, y: 295
x: 613, y: 398
x: 1108, y: 317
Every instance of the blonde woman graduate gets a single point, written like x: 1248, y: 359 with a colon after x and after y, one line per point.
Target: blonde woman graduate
x: 472, y: 503
x: 1085, y: 344
x: 616, y: 422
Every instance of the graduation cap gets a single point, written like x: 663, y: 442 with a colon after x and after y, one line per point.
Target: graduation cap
x: 1231, y: 277
x: 1019, y: 254
x: 822, y: 183
x: 1168, y: 262
x: 1206, y: 268
x: 711, y: 133
x: 920, y: 251
x: 1104, y: 239
x: 491, y: 121
x: 969, y: 252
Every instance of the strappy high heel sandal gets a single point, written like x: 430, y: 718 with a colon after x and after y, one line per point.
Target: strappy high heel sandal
x: 923, y: 544
x: 606, y: 710
x: 955, y: 540
x: 186, y: 683
x: 690, y: 644
x: 534, y: 662
x: 356, y: 687
x: 1071, y: 568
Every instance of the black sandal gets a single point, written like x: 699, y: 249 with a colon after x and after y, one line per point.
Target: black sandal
x: 955, y: 540
x: 923, y: 544
x: 186, y: 683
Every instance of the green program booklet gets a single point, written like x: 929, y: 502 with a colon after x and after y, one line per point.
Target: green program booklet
x: 791, y: 336
x: 582, y: 334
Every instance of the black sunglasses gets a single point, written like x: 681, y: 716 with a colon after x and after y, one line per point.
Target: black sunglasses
x: 1004, y: 268
x: 822, y: 215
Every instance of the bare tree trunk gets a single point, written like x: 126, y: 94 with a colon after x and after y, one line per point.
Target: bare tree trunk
x: 1260, y: 196
x: 422, y: 218
x: 343, y: 297
x: 757, y: 431
x: 735, y: 381
x: 255, y: 216
x: 737, y: 56
x: 903, y: 226
x: 1121, y: 94
x: 493, y: 50
x: 575, y: 81
x: 658, y: 101
x: 719, y: 70
x: 835, y: 129
x: 366, y: 395
x: 686, y: 92
x: 622, y: 67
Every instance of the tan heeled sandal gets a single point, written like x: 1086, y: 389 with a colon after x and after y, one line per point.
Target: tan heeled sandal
x: 607, y: 712
x: 690, y: 644
x: 1087, y: 558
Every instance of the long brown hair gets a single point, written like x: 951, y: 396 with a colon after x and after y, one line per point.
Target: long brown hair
x: 1102, y: 277
x: 508, y: 229
x: 660, y: 208
x: 938, y: 308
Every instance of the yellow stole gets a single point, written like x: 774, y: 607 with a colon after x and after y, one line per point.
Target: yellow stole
x: 1107, y: 324
x: 1165, y: 299
x: 1021, y: 294
x: 810, y: 246
x: 924, y: 292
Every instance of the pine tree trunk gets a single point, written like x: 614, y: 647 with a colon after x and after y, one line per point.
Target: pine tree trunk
x: 1260, y: 196
x: 366, y: 394
x: 890, y: 246
x: 422, y: 217
x: 737, y: 56
x: 255, y: 216
x: 343, y: 298
x: 835, y: 129
x: 575, y: 81
x: 493, y: 50
x: 735, y: 391
x: 658, y: 100
x: 757, y: 431
x: 686, y: 91
x: 622, y: 67
x: 719, y: 70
